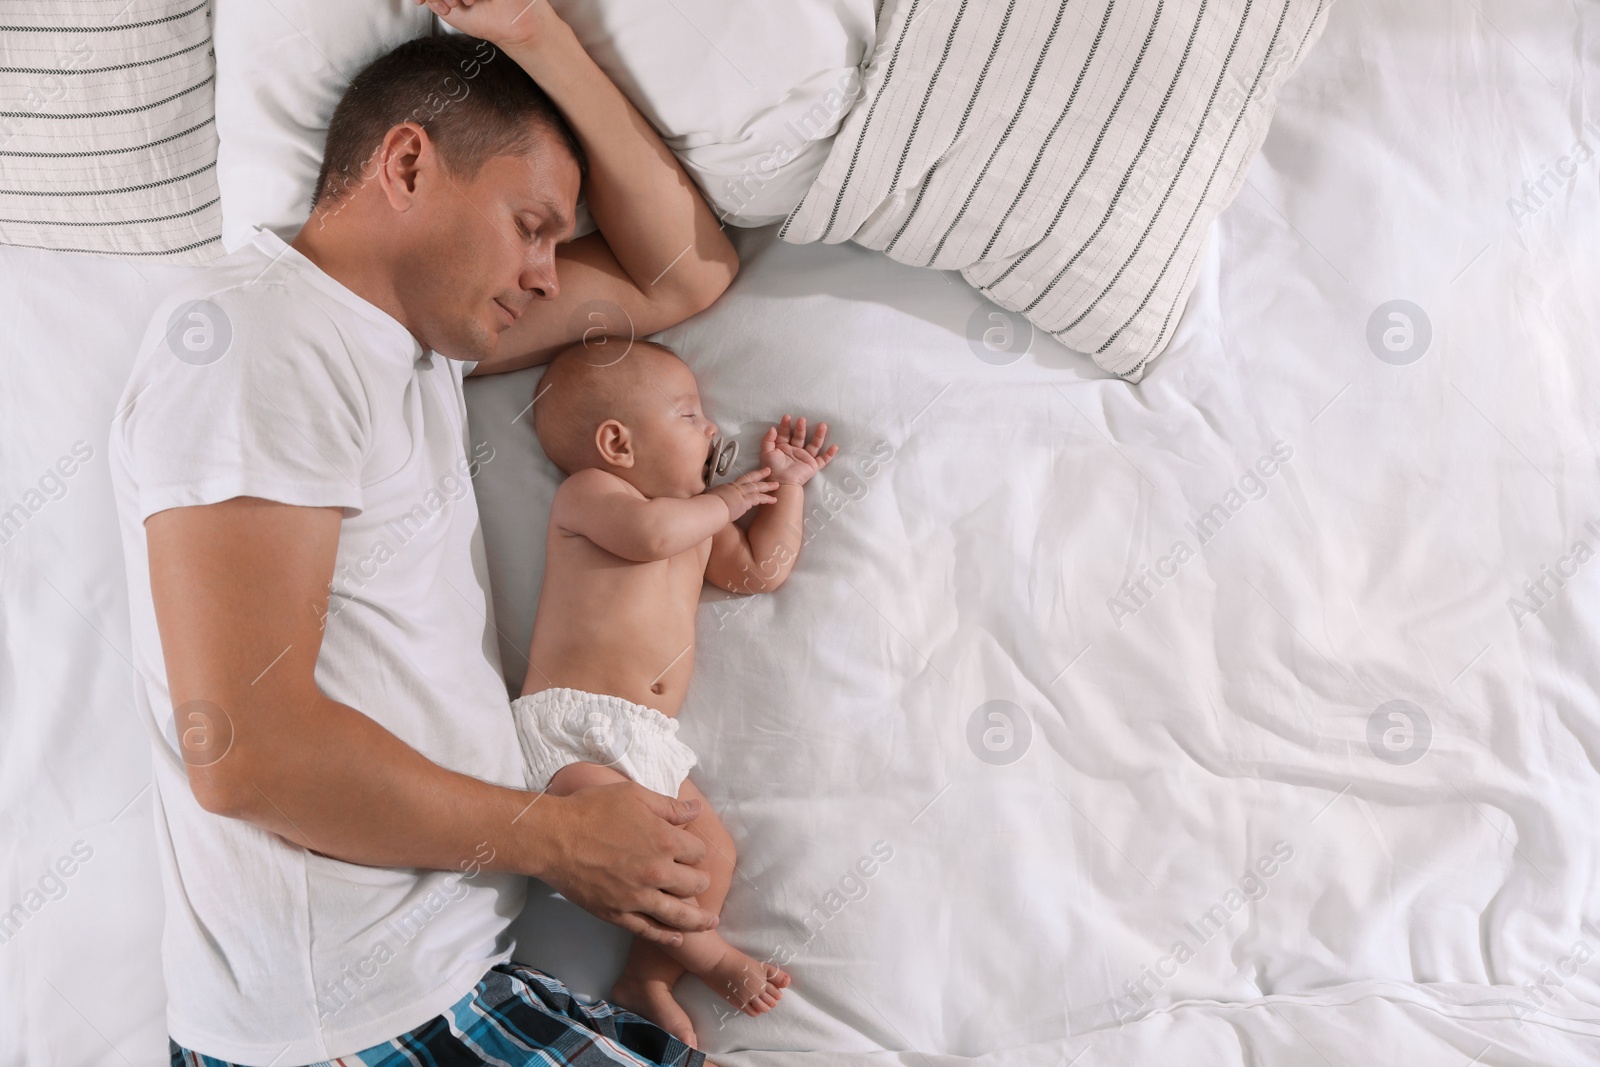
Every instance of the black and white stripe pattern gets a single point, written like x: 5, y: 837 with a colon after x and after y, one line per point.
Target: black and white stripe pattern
x: 108, y: 139
x: 1067, y: 156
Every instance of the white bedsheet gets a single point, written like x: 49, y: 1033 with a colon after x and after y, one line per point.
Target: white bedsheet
x: 1423, y: 902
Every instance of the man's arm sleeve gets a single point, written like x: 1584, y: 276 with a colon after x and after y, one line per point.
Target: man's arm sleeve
x: 281, y: 414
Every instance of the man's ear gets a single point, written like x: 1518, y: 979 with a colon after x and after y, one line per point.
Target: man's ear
x: 405, y: 153
x: 614, y: 441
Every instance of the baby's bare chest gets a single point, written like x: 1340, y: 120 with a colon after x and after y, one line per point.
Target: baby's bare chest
x: 663, y: 593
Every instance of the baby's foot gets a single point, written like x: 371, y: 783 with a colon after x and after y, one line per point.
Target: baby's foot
x: 745, y: 982
x: 653, y: 999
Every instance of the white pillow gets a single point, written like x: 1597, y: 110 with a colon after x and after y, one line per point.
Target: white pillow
x: 747, y: 95
x: 756, y: 106
x: 107, y: 143
x: 281, y: 68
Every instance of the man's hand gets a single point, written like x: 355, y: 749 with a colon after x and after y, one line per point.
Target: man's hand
x: 620, y: 853
x: 786, y: 454
x: 507, y: 23
x: 745, y: 492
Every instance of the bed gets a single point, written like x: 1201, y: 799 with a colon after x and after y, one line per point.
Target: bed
x: 1249, y: 714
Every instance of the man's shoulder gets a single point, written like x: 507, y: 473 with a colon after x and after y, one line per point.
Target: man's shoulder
x: 249, y: 284
x: 244, y: 386
x: 243, y: 343
x: 250, y: 309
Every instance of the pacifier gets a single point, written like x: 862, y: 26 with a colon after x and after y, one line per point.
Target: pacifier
x: 720, y: 457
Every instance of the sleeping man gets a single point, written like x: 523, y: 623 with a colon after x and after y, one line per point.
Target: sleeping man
x: 341, y: 807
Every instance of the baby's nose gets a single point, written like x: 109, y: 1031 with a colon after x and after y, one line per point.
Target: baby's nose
x: 711, y: 430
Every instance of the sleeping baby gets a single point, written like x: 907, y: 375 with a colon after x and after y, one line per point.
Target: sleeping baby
x: 635, y: 530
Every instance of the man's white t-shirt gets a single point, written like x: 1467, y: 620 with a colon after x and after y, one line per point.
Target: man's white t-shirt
x: 266, y: 378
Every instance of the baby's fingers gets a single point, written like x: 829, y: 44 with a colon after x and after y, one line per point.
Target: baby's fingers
x: 818, y: 438
x: 827, y: 457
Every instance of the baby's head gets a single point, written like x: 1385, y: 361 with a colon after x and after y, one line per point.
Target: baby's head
x: 636, y: 415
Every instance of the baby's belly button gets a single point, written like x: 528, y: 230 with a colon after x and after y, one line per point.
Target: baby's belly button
x: 675, y: 675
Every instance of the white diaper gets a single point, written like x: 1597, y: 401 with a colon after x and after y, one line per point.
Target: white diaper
x: 558, y: 727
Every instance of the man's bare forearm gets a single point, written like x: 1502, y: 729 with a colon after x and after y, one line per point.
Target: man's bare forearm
x: 654, y: 219
x: 245, y: 584
x: 333, y: 780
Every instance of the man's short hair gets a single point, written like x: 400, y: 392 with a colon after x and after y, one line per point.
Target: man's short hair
x: 473, y: 100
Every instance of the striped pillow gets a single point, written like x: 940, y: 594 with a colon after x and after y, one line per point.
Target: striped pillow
x: 107, y: 141
x: 1067, y: 156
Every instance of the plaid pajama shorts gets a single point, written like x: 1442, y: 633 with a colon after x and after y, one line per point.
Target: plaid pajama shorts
x: 515, y: 1016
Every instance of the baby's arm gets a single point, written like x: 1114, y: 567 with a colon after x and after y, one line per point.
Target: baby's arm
x: 759, y: 560
x: 602, y: 507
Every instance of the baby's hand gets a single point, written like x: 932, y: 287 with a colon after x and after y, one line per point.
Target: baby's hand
x: 787, y: 455
x: 745, y: 492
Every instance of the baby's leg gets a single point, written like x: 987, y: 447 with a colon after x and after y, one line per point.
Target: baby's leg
x: 645, y: 987
x: 747, y: 983
x: 646, y: 983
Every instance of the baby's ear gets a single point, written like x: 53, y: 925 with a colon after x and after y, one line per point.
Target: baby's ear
x: 614, y: 441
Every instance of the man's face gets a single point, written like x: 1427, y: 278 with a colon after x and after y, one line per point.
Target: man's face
x: 482, y: 250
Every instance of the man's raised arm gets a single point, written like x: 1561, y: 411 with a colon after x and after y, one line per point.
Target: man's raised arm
x: 241, y: 591
x: 660, y: 255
